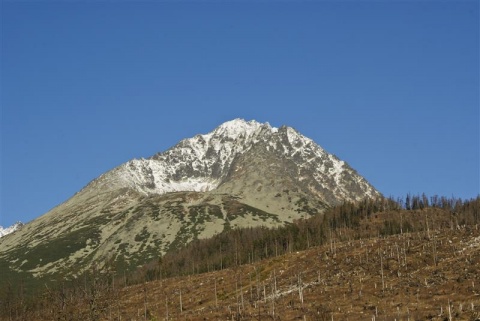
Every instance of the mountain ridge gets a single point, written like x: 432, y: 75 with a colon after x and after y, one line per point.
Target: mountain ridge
x: 201, y: 162
x: 241, y: 174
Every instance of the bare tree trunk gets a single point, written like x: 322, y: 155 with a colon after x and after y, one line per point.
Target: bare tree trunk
x: 216, y: 300
x: 273, y: 304
x: 181, y: 303
x: 166, y: 307
x: 300, y: 288
x: 236, y: 294
x: 381, y: 268
x: 145, y: 300
x: 241, y: 293
x: 428, y: 229
x: 449, y: 312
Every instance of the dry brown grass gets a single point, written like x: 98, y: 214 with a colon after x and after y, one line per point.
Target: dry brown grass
x: 425, y: 277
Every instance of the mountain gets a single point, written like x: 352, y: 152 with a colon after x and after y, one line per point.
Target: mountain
x: 10, y: 229
x: 239, y: 175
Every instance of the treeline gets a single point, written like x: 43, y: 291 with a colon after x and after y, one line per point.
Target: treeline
x: 365, y: 219
x: 416, y: 202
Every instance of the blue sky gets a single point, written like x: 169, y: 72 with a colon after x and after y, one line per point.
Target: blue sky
x: 391, y: 87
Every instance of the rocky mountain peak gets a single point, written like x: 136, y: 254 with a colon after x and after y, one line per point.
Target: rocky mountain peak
x: 241, y: 174
x: 203, y: 163
x: 240, y: 127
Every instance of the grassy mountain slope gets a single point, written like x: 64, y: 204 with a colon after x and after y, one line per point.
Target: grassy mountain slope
x: 127, y: 228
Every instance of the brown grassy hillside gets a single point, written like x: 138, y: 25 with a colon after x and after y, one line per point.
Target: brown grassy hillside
x: 429, y: 269
x: 401, y: 277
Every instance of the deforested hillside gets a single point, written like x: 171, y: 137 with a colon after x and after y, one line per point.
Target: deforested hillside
x: 372, y: 260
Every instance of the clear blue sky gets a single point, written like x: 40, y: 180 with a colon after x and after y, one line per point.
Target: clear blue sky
x: 391, y: 87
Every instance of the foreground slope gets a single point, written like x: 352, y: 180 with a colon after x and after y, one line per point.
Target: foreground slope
x: 431, y: 274
x: 241, y: 174
x: 401, y: 277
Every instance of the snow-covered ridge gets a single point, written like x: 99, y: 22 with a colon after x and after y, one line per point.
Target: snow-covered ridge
x: 202, y: 162
x: 10, y: 229
x: 194, y: 164
x: 235, y: 128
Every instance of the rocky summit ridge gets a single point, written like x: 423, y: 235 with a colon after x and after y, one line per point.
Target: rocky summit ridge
x: 242, y: 174
x: 204, y: 162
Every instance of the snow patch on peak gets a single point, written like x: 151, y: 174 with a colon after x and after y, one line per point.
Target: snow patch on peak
x: 293, y: 136
x: 337, y: 169
x: 194, y: 164
x: 151, y: 176
x: 11, y: 229
x: 237, y: 127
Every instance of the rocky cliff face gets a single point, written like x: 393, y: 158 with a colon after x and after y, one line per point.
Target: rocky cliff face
x: 241, y: 174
